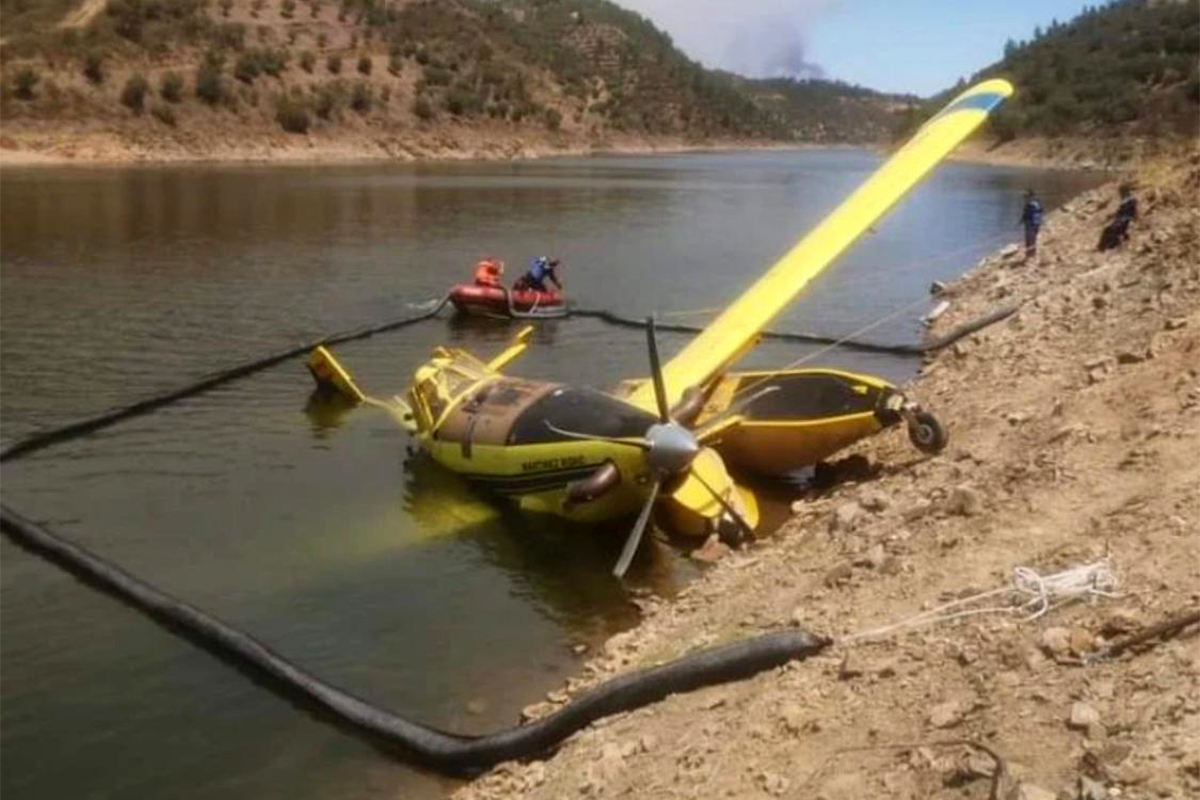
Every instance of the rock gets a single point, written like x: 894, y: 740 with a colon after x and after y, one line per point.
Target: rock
x: 1082, y: 716
x: 1120, y: 621
x: 838, y: 575
x: 1008, y: 251
x: 1016, y: 417
x: 793, y: 718
x: 1129, y: 357
x: 946, y: 715
x: 1114, y: 753
x: 712, y: 551
x: 579, y: 649
x: 1089, y: 789
x: 980, y: 765
x: 937, y: 287
x: 535, y: 774
x: 647, y: 743
x: 1031, y: 791
x: 873, y: 500
x: 875, y: 557
x: 536, y: 711
x: 773, y: 783
x: 965, y: 501
x: 851, y: 667
x: 798, y: 507
x: 476, y: 706
x: 1175, y: 323
x: 798, y: 618
x: 844, y: 517
x: 917, y: 510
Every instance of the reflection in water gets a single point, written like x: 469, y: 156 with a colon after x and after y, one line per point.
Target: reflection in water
x: 301, y: 523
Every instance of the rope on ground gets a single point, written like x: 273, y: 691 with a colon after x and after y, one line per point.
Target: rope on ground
x: 1029, y: 596
x: 92, y: 424
x: 429, y: 747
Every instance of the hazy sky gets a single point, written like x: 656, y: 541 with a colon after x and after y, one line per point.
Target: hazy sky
x: 920, y: 46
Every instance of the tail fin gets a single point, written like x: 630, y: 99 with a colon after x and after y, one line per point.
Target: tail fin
x: 331, y: 377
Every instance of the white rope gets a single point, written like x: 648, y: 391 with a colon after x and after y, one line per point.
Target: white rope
x: 1030, y: 596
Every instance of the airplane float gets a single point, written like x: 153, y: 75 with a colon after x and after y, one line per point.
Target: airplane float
x: 664, y: 442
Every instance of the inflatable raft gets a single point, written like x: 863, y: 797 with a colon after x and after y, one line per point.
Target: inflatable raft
x: 499, y: 301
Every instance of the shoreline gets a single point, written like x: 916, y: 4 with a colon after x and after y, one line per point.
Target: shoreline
x: 1073, y: 432
x: 348, y: 152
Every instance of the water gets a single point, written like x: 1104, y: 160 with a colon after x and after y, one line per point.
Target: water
x: 309, y: 531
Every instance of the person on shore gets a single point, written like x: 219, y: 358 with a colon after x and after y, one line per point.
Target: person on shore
x: 1117, y: 230
x: 488, y: 272
x: 1031, y: 218
x: 540, y: 270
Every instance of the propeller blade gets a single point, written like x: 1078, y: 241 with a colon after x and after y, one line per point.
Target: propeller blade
x: 641, y: 444
x: 660, y: 388
x: 635, y: 535
x: 725, y: 504
x: 734, y: 409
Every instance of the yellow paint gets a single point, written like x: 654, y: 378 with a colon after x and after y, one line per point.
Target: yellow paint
x: 735, y: 330
x: 329, y: 373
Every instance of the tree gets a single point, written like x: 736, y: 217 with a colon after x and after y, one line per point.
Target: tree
x: 24, y: 82
x: 133, y: 94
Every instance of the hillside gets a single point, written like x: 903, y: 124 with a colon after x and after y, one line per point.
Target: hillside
x: 826, y: 111
x: 406, y: 78
x: 1117, y: 72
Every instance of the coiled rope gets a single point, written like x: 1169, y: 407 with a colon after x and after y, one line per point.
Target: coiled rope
x: 1029, y: 596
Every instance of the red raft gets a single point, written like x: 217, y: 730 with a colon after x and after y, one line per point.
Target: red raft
x: 498, y: 301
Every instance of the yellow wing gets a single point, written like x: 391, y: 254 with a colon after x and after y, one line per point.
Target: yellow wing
x: 732, y: 333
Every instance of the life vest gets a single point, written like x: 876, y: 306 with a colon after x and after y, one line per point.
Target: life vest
x: 488, y: 272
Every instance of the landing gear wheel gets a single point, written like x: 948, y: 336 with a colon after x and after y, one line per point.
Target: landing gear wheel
x: 926, y: 433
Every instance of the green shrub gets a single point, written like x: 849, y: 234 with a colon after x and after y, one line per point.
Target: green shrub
x: 423, y: 109
x: 164, y: 114
x: 93, y: 67
x: 226, y: 6
x: 273, y: 62
x: 334, y: 64
x: 329, y: 98
x: 292, y: 115
x: 24, y: 83
x: 171, y: 87
x: 436, y: 76
x: 322, y: 40
x: 287, y: 10
x: 247, y: 67
x: 210, y: 87
x: 133, y: 94
x: 364, y: 65
x: 307, y: 61
x: 553, y: 119
x: 360, y: 98
x: 395, y: 63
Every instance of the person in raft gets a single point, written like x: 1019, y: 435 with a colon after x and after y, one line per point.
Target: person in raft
x: 488, y: 272
x: 1117, y: 231
x: 540, y: 269
x: 1031, y: 218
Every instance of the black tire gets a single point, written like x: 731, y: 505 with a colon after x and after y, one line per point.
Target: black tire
x: 927, y: 434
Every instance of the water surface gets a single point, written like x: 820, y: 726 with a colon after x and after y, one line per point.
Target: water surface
x: 312, y: 532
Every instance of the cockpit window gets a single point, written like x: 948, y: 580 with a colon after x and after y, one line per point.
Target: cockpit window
x: 580, y: 411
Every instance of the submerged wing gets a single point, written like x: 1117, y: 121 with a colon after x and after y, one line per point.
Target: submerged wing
x: 730, y: 334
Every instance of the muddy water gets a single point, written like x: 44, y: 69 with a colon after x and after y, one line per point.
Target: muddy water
x: 311, y: 531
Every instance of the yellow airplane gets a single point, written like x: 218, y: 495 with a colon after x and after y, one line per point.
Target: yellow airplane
x: 664, y: 442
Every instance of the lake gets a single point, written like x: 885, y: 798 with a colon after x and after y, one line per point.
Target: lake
x: 316, y: 533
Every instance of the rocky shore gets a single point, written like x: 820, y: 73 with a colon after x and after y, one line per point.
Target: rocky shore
x: 1075, y: 440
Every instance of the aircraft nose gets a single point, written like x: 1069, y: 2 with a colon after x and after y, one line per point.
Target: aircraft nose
x: 672, y: 447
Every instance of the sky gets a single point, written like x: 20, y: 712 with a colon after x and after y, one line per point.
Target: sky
x: 906, y: 46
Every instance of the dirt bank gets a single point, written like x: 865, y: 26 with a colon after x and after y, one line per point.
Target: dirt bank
x: 1074, y: 438
x: 102, y: 147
